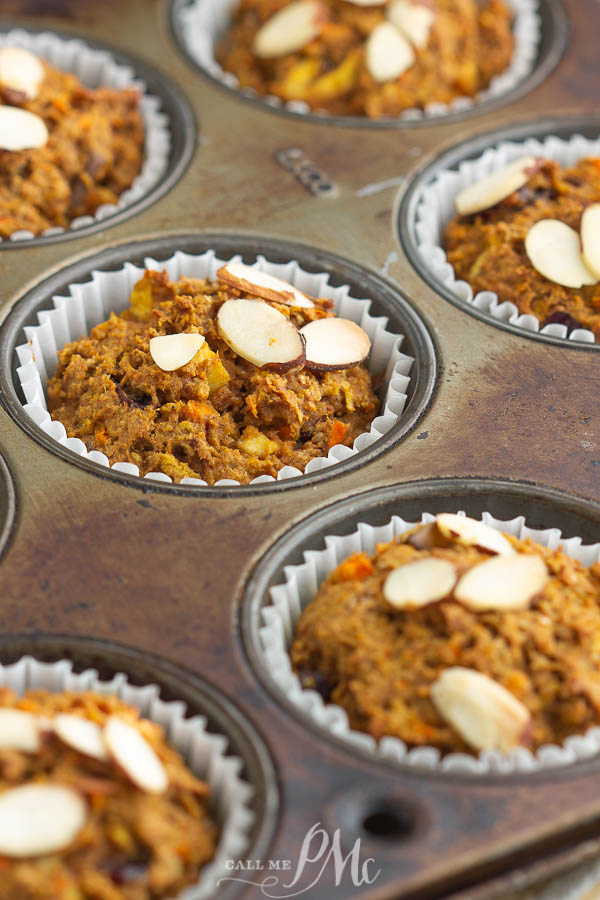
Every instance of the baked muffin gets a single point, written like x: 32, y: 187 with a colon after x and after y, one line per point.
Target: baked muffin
x: 65, y: 150
x: 458, y: 637
x: 371, y: 60
x: 529, y: 233
x: 262, y: 376
x: 94, y: 805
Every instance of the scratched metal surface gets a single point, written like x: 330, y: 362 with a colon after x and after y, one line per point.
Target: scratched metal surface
x: 165, y: 573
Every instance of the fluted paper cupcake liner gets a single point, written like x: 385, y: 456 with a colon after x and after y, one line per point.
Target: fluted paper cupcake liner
x: 301, y: 584
x: 97, y: 68
x: 204, y: 753
x: 436, y: 207
x: 204, y: 22
x: 92, y: 302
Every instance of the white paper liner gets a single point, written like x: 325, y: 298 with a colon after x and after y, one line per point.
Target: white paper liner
x: 204, y: 753
x: 301, y: 584
x: 204, y: 22
x: 92, y: 302
x: 436, y: 207
x: 97, y: 68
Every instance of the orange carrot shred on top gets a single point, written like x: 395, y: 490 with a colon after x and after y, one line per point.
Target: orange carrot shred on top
x: 338, y: 433
x: 356, y: 566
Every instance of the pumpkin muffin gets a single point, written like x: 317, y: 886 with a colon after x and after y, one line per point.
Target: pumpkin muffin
x: 239, y: 397
x: 458, y: 637
x: 94, y: 805
x: 368, y: 60
x: 76, y: 148
x: 503, y: 246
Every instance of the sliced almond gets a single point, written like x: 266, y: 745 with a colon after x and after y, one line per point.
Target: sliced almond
x: 426, y: 537
x: 82, y: 735
x: 21, y: 130
x: 290, y: 29
x: 21, y: 71
x: 419, y: 583
x: 36, y: 819
x: 502, y: 583
x: 261, y: 334
x: 497, y: 186
x: 19, y: 730
x: 261, y: 284
x: 590, y: 238
x: 134, y: 755
x: 388, y: 53
x: 172, y: 351
x: 472, y: 533
x: 413, y: 19
x: 554, y: 250
x: 485, y: 714
x: 335, y: 344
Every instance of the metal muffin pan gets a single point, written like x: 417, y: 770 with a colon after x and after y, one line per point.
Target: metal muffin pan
x: 562, y: 128
x: 169, y: 571
x: 553, y: 41
x: 386, y: 301
x: 7, y: 505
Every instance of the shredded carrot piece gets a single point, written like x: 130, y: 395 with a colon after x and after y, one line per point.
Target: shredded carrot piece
x: 356, y: 566
x: 338, y: 433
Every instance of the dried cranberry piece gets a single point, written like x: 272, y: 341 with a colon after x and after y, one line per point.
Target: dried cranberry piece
x: 314, y: 681
x: 562, y: 318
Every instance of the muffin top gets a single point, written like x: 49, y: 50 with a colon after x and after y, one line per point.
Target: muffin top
x: 456, y: 636
x: 530, y: 232
x: 232, y: 378
x: 65, y: 150
x: 106, y: 809
x: 373, y: 59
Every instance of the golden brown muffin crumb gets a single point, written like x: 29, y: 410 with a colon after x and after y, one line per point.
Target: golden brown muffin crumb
x: 217, y: 417
x: 134, y: 845
x: 379, y: 663
x: 487, y: 249
x: 93, y: 154
x: 468, y: 45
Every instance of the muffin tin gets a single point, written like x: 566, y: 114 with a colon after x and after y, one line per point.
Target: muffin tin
x: 496, y: 420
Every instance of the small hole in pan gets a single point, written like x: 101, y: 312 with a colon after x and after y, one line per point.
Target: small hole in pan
x: 388, y: 822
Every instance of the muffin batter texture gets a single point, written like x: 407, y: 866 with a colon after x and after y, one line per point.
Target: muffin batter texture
x: 93, y: 154
x: 217, y: 417
x: 468, y: 44
x: 134, y: 845
x: 380, y: 663
x: 487, y: 249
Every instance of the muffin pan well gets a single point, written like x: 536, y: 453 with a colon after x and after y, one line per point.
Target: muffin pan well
x: 494, y: 421
x: 541, y: 34
x: 428, y: 206
x: 384, y: 313
x: 287, y: 577
x: 168, y: 120
x: 219, y: 744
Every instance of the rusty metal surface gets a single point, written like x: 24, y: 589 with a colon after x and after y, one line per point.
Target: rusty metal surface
x: 165, y: 573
